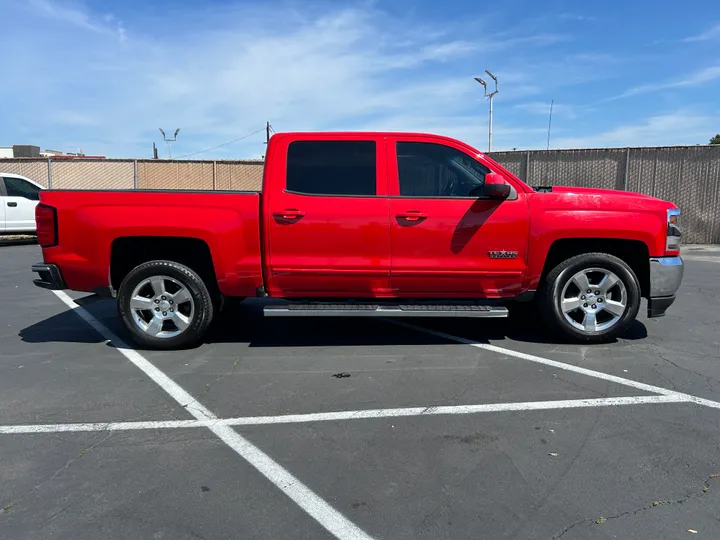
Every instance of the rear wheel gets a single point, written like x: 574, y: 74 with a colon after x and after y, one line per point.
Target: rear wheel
x: 592, y: 297
x: 165, y: 305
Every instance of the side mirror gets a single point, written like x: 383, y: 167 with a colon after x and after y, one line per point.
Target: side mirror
x: 495, y: 187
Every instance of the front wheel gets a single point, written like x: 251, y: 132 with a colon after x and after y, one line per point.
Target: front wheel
x: 592, y: 297
x: 165, y: 305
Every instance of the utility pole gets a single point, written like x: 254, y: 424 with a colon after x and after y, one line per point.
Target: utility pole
x: 267, y: 132
x: 168, y: 141
x: 489, y: 97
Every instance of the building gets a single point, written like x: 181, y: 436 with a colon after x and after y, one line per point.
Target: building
x: 32, y: 151
x: 26, y: 150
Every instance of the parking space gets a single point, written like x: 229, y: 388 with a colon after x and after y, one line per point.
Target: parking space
x: 307, y: 428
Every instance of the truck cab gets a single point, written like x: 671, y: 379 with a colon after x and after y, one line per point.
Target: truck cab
x: 392, y: 216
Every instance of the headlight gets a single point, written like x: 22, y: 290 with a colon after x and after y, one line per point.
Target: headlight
x: 674, y: 232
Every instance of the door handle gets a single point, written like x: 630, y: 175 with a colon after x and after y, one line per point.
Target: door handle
x: 290, y: 213
x: 412, y: 215
x: 12, y: 204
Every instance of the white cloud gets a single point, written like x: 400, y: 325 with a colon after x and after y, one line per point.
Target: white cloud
x: 76, y: 16
x: 221, y: 74
x: 676, y: 128
x: 471, y: 129
x: 702, y: 76
x: 576, y: 17
x: 542, y: 108
x: 65, y: 13
x: 707, y: 35
x: 71, y: 118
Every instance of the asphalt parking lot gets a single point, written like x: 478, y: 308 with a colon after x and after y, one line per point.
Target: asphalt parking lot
x: 356, y: 429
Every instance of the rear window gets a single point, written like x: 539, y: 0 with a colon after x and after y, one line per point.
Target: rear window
x: 332, y: 168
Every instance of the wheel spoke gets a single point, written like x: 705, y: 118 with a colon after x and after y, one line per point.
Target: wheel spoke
x: 154, y: 327
x: 158, y: 285
x: 183, y: 295
x: 169, y: 300
x: 180, y: 320
x: 581, y: 281
x: 141, y: 303
x: 570, y: 304
x: 616, y: 308
x: 590, y: 322
x: 608, y: 282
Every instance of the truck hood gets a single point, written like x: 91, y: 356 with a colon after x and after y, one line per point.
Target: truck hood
x: 592, y: 198
x: 601, y: 192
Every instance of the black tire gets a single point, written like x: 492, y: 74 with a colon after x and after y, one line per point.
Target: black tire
x: 522, y: 312
x: 232, y: 303
x: 550, y: 296
x: 203, y: 310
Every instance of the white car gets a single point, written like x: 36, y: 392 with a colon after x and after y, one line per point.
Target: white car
x: 19, y: 197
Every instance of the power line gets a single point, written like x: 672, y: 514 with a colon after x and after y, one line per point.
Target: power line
x: 224, y: 144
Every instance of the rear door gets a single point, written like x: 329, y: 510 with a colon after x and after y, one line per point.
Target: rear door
x: 21, y: 198
x: 2, y: 205
x: 327, y: 218
x: 447, y: 243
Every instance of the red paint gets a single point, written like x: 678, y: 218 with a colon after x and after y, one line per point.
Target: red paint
x: 89, y: 221
x: 445, y: 254
x: 382, y: 246
x: 339, y: 246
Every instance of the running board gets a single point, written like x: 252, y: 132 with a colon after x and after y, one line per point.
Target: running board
x: 385, y: 310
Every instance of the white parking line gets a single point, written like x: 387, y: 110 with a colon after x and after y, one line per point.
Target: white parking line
x: 316, y: 507
x: 102, y: 426
x: 345, y: 415
x: 561, y: 365
x: 321, y: 511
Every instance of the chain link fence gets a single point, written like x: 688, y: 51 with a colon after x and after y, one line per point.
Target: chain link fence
x: 98, y: 173
x: 148, y: 174
x: 34, y: 169
x: 689, y: 176
x: 231, y: 177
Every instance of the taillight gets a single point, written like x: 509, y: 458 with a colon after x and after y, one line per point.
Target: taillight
x: 674, y: 232
x: 46, y: 221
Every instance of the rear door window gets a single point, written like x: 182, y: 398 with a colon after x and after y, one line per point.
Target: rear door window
x: 343, y: 168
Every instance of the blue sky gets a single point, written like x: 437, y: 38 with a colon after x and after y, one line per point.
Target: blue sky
x: 103, y: 76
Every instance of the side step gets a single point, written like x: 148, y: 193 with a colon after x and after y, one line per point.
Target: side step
x: 385, y: 310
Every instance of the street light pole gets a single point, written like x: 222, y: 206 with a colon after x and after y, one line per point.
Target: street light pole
x: 489, y: 97
x: 168, y: 141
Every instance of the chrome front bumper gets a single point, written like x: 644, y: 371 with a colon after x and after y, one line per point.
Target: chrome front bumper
x: 666, y: 274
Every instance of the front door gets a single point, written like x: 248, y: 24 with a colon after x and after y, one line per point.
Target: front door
x: 447, y: 243
x: 328, y: 224
x: 21, y: 198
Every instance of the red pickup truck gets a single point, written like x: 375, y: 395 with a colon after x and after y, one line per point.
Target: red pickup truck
x: 366, y: 224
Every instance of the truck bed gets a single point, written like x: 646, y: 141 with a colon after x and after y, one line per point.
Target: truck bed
x: 90, y: 222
